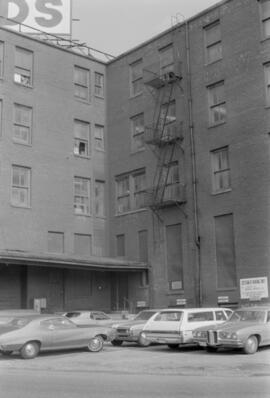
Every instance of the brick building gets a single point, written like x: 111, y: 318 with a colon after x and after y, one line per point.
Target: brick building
x: 143, y: 181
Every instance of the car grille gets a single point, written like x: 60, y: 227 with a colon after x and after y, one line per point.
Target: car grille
x: 123, y: 331
x: 212, y: 337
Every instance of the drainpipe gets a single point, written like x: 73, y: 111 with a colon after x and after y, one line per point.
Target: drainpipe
x: 194, y: 175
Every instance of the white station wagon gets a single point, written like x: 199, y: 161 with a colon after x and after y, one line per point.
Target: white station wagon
x: 174, y: 326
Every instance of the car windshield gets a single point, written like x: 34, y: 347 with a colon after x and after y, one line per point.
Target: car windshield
x: 72, y: 314
x: 99, y: 316
x: 19, y: 322
x: 144, y: 315
x: 248, y: 315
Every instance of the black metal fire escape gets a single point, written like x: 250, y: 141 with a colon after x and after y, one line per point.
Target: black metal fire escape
x: 165, y: 136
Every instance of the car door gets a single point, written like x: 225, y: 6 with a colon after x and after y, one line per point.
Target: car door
x: 166, y: 324
x: 196, y: 319
x: 265, y: 330
x: 63, y: 333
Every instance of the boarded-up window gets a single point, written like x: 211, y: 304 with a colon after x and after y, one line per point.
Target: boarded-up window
x: 174, y: 256
x: 83, y: 244
x: 55, y: 242
x: 225, y: 253
x: 143, y: 246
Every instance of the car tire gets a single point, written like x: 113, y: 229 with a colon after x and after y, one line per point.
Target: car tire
x: 95, y: 344
x: 117, y: 343
x: 143, y: 342
x: 211, y: 349
x: 173, y: 346
x: 30, y: 350
x: 251, y: 345
x: 6, y: 353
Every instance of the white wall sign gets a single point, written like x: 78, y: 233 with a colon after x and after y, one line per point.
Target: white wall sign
x: 141, y: 304
x: 254, y: 288
x: 181, y: 301
x: 52, y: 16
x: 223, y: 299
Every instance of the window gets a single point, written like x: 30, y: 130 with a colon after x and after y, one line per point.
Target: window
x: 174, y: 256
x: 100, y: 199
x: 171, y: 180
x: 120, y: 245
x: 136, y: 78
x: 217, y: 103
x: 212, y: 37
x: 201, y: 316
x: 168, y: 121
x: 221, y: 170
x: 82, y: 196
x: 267, y: 82
x: 99, y: 84
x: 55, y: 242
x: 82, y: 244
x: 137, y: 131
x: 1, y: 59
x: 21, y: 184
x: 166, y: 57
x: 99, y: 137
x: 81, y: 138
x: 22, y: 124
x: 1, y: 112
x: 143, y: 246
x: 23, y: 72
x: 130, y: 191
x: 265, y: 13
x: 81, y: 83
x: 168, y: 316
x: 225, y: 252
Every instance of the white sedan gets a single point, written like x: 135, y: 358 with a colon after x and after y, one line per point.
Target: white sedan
x: 86, y: 318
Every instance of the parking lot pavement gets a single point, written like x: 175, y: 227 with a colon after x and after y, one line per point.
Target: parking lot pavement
x: 155, y: 360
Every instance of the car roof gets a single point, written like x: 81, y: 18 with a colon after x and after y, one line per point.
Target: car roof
x: 194, y: 309
x: 255, y: 308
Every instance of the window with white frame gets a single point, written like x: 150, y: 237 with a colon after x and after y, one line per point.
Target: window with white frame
x: 99, y: 137
x: 1, y: 59
x: 81, y: 138
x: 99, y: 84
x: 168, y: 120
x: 130, y: 191
x: 136, y: 78
x: 267, y: 82
x: 21, y: 186
x: 100, y: 198
x: 81, y: 83
x: 166, y: 58
x: 213, y: 45
x: 23, y: 69
x: 220, y: 170
x: 83, y: 244
x: 217, y: 103
x: 22, y: 128
x: 265, y: 14
x: 171, y: 190
x: 82, y: 196
x: 137, y: 131
x: 55, y: 242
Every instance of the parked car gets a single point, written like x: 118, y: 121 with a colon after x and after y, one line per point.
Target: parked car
x: 31, y: 334
x: 247, y: 328
x: 174, y: 326
x: 130, y: 331
x: 86, y: 318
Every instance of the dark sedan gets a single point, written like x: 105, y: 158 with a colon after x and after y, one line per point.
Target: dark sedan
x: 31, y: 334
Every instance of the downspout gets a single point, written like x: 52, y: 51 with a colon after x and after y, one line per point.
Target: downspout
x: 194, y: 175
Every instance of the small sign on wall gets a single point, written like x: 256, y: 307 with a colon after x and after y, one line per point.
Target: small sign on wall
x: 223, y: 299
x: 254, y: 288
x: 141, y: 304
x: 181, y: 301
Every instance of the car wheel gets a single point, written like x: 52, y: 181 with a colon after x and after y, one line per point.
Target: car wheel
x: 30, y: 350
x: 143, y: 342
x: 117, y: 343
x: 251, y: 345
x: 173, y: 346
x: 6, y: 353
x: 211, y: 349
x: 95, y: 344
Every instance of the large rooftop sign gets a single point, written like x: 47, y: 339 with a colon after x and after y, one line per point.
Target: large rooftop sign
x: 52, y: 16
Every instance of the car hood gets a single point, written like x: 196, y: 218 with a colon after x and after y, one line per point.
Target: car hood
x: 131, y: 323
x: 230, y: 326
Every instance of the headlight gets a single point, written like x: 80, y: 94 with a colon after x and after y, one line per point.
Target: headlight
x: 200, y: 334
x: 228, y: 335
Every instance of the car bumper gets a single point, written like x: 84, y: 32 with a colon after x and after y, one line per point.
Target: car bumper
x: 163, y: 339
x: 220, y: 343
x: 10, y: 347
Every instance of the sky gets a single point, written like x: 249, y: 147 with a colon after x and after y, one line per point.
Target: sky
x: 115, y: 26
